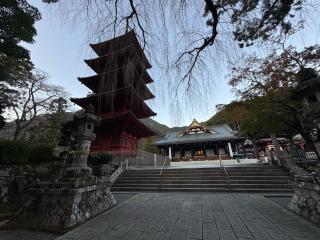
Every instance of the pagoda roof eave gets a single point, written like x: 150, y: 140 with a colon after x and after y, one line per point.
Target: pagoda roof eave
x: 145, y: 94
x: 145, y: 76
x: 141, y: 129
x: 83, y: 102
x: 98, y: 64
x: 132, y: 37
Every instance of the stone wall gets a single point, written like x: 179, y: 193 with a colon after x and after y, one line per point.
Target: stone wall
x: 14, y: 181
x: 4, y: 189
x: 61, y: 209
x: 306, y: 200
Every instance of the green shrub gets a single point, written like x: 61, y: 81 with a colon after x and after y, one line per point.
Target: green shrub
x: 41, y: 154
x: 99, y: 158
x: 14, y: 152
x: 23, y: 153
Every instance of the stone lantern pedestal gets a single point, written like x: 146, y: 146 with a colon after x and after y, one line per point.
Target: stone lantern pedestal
x: 74, y: 198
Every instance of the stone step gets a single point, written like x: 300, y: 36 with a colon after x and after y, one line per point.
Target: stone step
x: 206, y: 178
x: 205, y: 181
x: 208, y: 174
x: 240, y: 179
x: 188, y: 185
x: 208, y: 168
x: 239, y: 190
x: 204, y: 171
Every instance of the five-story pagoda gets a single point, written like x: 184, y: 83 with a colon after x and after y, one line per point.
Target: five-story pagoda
x: 118, y: 94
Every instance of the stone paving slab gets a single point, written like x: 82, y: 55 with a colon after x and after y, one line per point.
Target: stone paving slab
x: 194, y: 216
x: 25, y: 235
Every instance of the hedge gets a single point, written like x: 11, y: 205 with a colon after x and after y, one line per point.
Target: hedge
x: 23, y: 153
x: 99, y: 158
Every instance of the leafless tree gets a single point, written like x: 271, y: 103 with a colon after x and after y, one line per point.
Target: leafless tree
x: 34, y: 99
x: 188, y: 39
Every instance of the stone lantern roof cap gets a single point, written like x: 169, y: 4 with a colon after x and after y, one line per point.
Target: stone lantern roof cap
x: 306, y: 74
x: 83, y: 116
x: 308, y: 82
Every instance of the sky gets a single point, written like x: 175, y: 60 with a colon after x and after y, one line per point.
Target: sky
x: 60, y: 48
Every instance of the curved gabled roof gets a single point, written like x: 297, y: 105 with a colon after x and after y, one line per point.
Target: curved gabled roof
x: 194, y: 128
x: 215, y: 133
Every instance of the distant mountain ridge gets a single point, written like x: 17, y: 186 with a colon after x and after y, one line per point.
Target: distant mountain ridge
x: 8, y: 131
x: 159, y: 128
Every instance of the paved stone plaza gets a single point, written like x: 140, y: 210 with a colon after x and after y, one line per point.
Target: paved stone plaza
x: 26, y: 235
x: 164, y: 216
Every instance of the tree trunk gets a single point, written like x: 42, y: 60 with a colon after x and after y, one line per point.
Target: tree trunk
x: 17, y: 131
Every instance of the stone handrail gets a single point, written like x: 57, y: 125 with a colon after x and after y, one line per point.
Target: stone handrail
x: 115, y: 175
x: 306, y: 199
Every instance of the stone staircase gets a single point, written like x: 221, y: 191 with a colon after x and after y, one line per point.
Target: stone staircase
x: 246, y: 179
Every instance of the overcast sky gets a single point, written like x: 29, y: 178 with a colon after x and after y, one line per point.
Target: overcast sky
x: 60, y: 49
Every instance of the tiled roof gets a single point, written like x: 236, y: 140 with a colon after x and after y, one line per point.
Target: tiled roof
x: 218, y: 133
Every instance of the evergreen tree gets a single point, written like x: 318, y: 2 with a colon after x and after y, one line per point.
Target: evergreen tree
x: 17, y: 18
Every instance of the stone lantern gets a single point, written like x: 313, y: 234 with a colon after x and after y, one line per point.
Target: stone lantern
x: 308, y: 91
x: 76, y: 197
x: 83, y: 134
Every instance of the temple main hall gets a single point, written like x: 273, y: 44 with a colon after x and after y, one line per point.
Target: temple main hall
x: 198, y: 142
x: 119, y: 91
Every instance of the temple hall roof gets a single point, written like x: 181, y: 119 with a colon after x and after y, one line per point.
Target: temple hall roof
x: 213, y: 133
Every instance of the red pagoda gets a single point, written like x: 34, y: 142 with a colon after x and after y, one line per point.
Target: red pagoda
x: 119, y: 90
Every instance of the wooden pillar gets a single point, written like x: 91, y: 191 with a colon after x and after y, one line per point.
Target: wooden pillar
x: 192, y: 151
x: 170, y: 152
x: 237, y: 147
x: 230, y: 149
x: 216, y: 148
x: 244, y: 150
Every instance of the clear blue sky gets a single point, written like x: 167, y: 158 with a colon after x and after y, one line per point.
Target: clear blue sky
x: 60, y: 49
